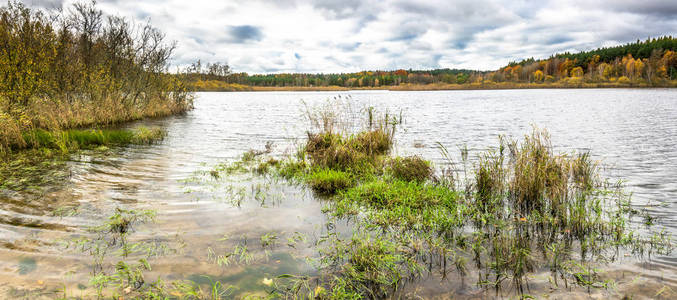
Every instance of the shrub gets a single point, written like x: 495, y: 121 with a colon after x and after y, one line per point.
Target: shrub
x: 623, y: 80
x: 292, y: 169
x: 412, y: 168
x: 490, y: 181
x: 535, y: 180
x: 75, y: 139
x: 143, y: 135
x: 540, y: 177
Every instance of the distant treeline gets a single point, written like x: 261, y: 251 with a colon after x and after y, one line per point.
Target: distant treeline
x: 64, y: 69
x: 644, y: 63
x: 221, y: 72
x: 651, y: 62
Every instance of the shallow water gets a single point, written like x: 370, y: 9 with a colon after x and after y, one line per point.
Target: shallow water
x: 633, y: 132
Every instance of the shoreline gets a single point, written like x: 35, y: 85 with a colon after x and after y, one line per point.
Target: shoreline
x: 441, y: 87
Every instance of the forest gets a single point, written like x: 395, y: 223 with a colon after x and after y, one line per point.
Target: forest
x: 652, y: 62
x: 203, y: 76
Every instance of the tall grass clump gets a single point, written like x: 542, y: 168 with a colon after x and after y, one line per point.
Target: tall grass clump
x: 75, y: 68
x: 538, y: 181
x: 329, y: 182
x: 337, y: 139
x: 490, y: 181
x: 412, y: 168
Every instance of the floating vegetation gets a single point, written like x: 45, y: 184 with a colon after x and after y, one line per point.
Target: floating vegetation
x: 120, y: 264
x: 32, y: 171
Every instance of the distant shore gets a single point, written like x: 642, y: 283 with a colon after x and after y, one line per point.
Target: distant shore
x: 436, y: 87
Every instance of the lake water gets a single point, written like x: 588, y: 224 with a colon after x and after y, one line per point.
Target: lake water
x: 632, y: 131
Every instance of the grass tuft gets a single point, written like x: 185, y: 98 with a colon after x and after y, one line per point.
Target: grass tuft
x: 412, y: 168
x: 329, y: 182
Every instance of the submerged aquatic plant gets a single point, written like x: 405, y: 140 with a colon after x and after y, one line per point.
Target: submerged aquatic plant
x: 130, y: 260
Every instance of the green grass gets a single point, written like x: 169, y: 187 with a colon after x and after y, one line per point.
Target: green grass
x: 386, y: 195
x: 329, y: 182
x: 80, y: 139
x: 412, y: 168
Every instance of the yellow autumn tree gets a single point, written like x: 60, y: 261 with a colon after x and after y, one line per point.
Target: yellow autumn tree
x: 577, y: 72
x: 515, y: 73
x: 638, y: 68
x: 629, y: 65
x: 538, y: 76
x: 604, y: 71
x: 669, y: 62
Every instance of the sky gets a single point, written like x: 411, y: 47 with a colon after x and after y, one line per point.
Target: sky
x: 331, y: 36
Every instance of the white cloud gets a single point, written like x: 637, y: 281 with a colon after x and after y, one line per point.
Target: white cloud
x: 261, y: 36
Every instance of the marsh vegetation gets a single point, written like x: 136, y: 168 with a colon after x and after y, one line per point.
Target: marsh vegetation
x: 522, y: 209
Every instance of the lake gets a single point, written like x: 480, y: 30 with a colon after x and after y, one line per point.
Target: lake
x: 633, y: 132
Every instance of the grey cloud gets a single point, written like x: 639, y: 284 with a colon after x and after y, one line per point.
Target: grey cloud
x: 422, y: 46
x: 348, y: 46
x: 461, y: 21
x: 48, y: 4
x: 269, y: 69
x: 656, y: 8
x: 409, y: 31
x: 336, y: 61
x: 244, y: 33
x: 339, y: 8
x: 364, y: 12
x: 370, y: 34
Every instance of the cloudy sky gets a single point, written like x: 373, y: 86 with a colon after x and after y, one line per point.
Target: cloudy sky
x: 272, y: 36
